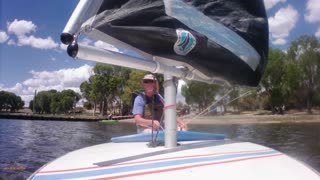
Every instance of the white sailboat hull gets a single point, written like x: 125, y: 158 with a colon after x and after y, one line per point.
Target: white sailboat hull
x: 220, y: 159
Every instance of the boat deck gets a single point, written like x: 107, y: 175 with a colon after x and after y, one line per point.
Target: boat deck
x: 221, y: 159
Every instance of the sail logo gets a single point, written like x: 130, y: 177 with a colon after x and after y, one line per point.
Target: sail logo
x: 185, y: 42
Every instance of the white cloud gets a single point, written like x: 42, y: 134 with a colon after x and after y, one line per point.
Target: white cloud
x: 16, y: 88
x: 279, y: 41
x: 312, y: 11
x: 11, y: 42
x: 270, y: 3
x: 282, y: 23
x: 37, y: 42
x: 3, y: 37
x: 47, y: 80
x: 22, y: 29
x: 63, y: 46
x: 313, y: 14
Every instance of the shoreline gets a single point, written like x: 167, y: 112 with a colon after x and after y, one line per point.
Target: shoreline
x: 24, y: 116
x: 254, y: 119
x: 227, y: 119
x: 45, y: 117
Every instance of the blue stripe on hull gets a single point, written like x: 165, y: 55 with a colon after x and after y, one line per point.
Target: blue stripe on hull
x: 181, y: 136
x: 150, y: 166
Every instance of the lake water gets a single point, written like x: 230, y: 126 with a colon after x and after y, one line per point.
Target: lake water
x: 26, y: 145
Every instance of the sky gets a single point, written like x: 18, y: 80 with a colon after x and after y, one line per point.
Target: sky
x: 33, y: 58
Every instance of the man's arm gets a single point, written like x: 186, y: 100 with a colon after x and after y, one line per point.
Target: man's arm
x: 138, y: 109
x: 181, y: 125
x: 146, y: 122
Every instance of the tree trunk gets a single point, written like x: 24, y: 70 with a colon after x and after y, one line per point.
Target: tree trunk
x: 309, y: 100
x: 309, y: 105
x: 102, y: 107
x: 94, y: 108
x: 224, y: 107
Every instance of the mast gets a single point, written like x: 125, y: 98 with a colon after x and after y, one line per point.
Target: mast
x: 170, y: 111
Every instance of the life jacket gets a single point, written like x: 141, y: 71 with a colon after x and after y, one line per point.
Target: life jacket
x: 149, y: 104
x: 157, y: 110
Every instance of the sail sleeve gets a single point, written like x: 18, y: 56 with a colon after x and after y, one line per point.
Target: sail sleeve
x: 227, y: 39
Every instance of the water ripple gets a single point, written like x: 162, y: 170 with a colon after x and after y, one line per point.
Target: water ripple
x: 27, y: 145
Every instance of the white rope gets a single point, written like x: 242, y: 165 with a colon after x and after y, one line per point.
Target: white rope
x: 244, y: 94
x: 214, y: 103
x: 232, y: 100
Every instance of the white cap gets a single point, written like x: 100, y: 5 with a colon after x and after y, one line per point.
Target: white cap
x: 149, y: 76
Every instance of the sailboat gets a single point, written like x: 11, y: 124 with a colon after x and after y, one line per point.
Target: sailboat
x: 214, y: 41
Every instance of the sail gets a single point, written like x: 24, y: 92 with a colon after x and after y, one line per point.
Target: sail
x: 227, y: 39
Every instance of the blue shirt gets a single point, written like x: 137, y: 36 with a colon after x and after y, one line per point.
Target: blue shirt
x: 140, y: 102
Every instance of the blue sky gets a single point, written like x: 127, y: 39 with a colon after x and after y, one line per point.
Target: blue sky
x: 32, y: 57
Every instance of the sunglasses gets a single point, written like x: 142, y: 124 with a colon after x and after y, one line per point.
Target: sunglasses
x: 148, y: 81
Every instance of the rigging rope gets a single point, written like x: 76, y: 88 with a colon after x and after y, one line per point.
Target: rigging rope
x: 202, y: 113
x: 244, y: 94
x: 152, y: 112
x: 214, y: 103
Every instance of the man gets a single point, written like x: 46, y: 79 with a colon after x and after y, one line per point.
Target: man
x: 149, y: 105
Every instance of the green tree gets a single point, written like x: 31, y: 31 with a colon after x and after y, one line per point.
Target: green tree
x: 305, y: 50
x: 105, y: 86
x: 291, y: 84
x: 132, y: 84
x: 87, y: 91
x: 273, y: 76
x: 199, y: 93
x: 68, y: 99
x: 10, y: 101
x: 234, y: 98
x: 43, y: 101
x: 316, y: 100
x: 55, y: 102
x: 116, y: 102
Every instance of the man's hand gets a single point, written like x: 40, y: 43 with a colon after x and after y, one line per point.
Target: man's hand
x: 156, y: 124
x: 182, y: 126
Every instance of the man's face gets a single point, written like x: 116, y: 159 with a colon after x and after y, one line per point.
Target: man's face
x: 148, y: 86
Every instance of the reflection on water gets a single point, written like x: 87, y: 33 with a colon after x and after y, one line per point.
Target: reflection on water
x: 27, y: 145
